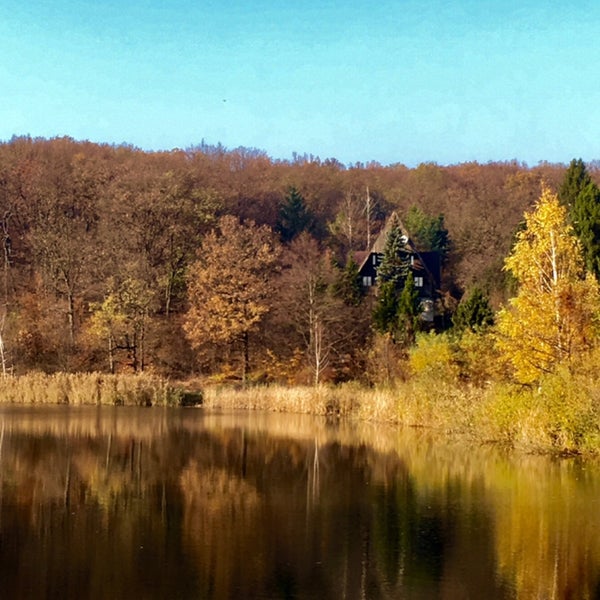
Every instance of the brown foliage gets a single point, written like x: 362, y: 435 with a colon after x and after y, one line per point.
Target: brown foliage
x: 84, y: 219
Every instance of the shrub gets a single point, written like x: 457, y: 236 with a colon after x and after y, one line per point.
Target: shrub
x: 433, y: 356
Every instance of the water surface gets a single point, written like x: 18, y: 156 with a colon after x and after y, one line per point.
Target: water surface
x: 103, y: 502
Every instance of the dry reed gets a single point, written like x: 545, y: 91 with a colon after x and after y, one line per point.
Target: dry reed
x: 89, y: 388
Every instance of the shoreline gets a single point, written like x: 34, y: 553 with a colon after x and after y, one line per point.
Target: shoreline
x: 499, y: 414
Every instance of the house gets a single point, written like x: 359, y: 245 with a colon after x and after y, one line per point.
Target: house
x: 425, y: 266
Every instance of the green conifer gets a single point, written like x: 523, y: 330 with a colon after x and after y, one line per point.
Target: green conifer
x: 474, y: 312
x: 348, y: 286
x: 294, y: 216
x: 581, y: 196
x: 408, y: 312
x: 395, y: 263
x: 385, y: 313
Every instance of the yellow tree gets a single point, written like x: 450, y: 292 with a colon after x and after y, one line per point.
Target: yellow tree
x: 230, y: 285
x: 553, y: 317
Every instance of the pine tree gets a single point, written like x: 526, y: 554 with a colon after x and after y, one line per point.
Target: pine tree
x: 397, y: 308
x: 585, y: 216
x: 408, y: 312
x: 385, y: 313
x: 395, y: 264
x: 553, y: 317
x: 348, y: 286
x: 581, y: 196
x: 294, y: 216
x: 575, y: 180
x: 474, y: 312
x: 428, y: 233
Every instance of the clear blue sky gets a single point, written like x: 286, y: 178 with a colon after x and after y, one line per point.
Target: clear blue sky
x: 392, y: 81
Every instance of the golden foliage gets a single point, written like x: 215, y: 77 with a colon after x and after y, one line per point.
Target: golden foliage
x: 229, y: 284
x: 433, y: 356
x: 554, y: 315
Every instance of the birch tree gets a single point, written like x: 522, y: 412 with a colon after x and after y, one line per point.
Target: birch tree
x: 553, y: 317
x: 316, y: 314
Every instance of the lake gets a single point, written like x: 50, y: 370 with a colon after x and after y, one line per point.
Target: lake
x: 123, y: 502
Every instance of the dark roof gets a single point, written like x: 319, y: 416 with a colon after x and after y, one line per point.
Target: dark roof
x: 360, y: 257
x: 379, y: 245
x: 429, y: 261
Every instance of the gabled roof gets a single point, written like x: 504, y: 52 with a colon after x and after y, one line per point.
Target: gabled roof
x: 379, y: 244
x: 426, y: 260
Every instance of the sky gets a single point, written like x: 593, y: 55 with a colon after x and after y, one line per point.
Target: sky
x: 405, y: 81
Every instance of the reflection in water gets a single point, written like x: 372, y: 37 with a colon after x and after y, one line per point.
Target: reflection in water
x: 105, y: 502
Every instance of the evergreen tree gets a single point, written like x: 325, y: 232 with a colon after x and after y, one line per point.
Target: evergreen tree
x: 408, y: 312
x: 348, y: 286
x: 395, y: 264
x: 575, y: 180
x: 294, y: 216
x: 585, y: 216
x: 581, y: 196
x: 385, y: 313
x: 474, y: 312
x: 429, y: 233
x: 397, y: 309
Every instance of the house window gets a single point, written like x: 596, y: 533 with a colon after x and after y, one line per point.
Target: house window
x: 367, y: 281
x: 375, y: 259
x: 419, y: 282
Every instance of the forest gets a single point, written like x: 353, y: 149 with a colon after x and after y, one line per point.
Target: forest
x: 228, y: 264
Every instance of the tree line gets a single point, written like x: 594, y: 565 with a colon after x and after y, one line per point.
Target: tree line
x: 230, y: 263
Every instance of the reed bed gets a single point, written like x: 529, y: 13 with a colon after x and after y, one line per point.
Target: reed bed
x: 560, y: 416
x: 89, y: 388
x: 406, y: 404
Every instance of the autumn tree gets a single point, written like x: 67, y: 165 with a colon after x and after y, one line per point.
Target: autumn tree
x: 121, y: 320
x: 309, y: 303
x: 62, y: 230
x: 351, y: 221
x: 553, y: 317
x: 230, y: 285
x: 154, y: 228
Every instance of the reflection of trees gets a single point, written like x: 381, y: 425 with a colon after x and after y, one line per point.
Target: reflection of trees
x: 547, y: 531
x: 185, y: 504
x: 221, y: 521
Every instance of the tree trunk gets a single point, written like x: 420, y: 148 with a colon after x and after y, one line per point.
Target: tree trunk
x: 246, y: 356
x: 2, y: 354
x: 111, y: 354
x: 71, y: 318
